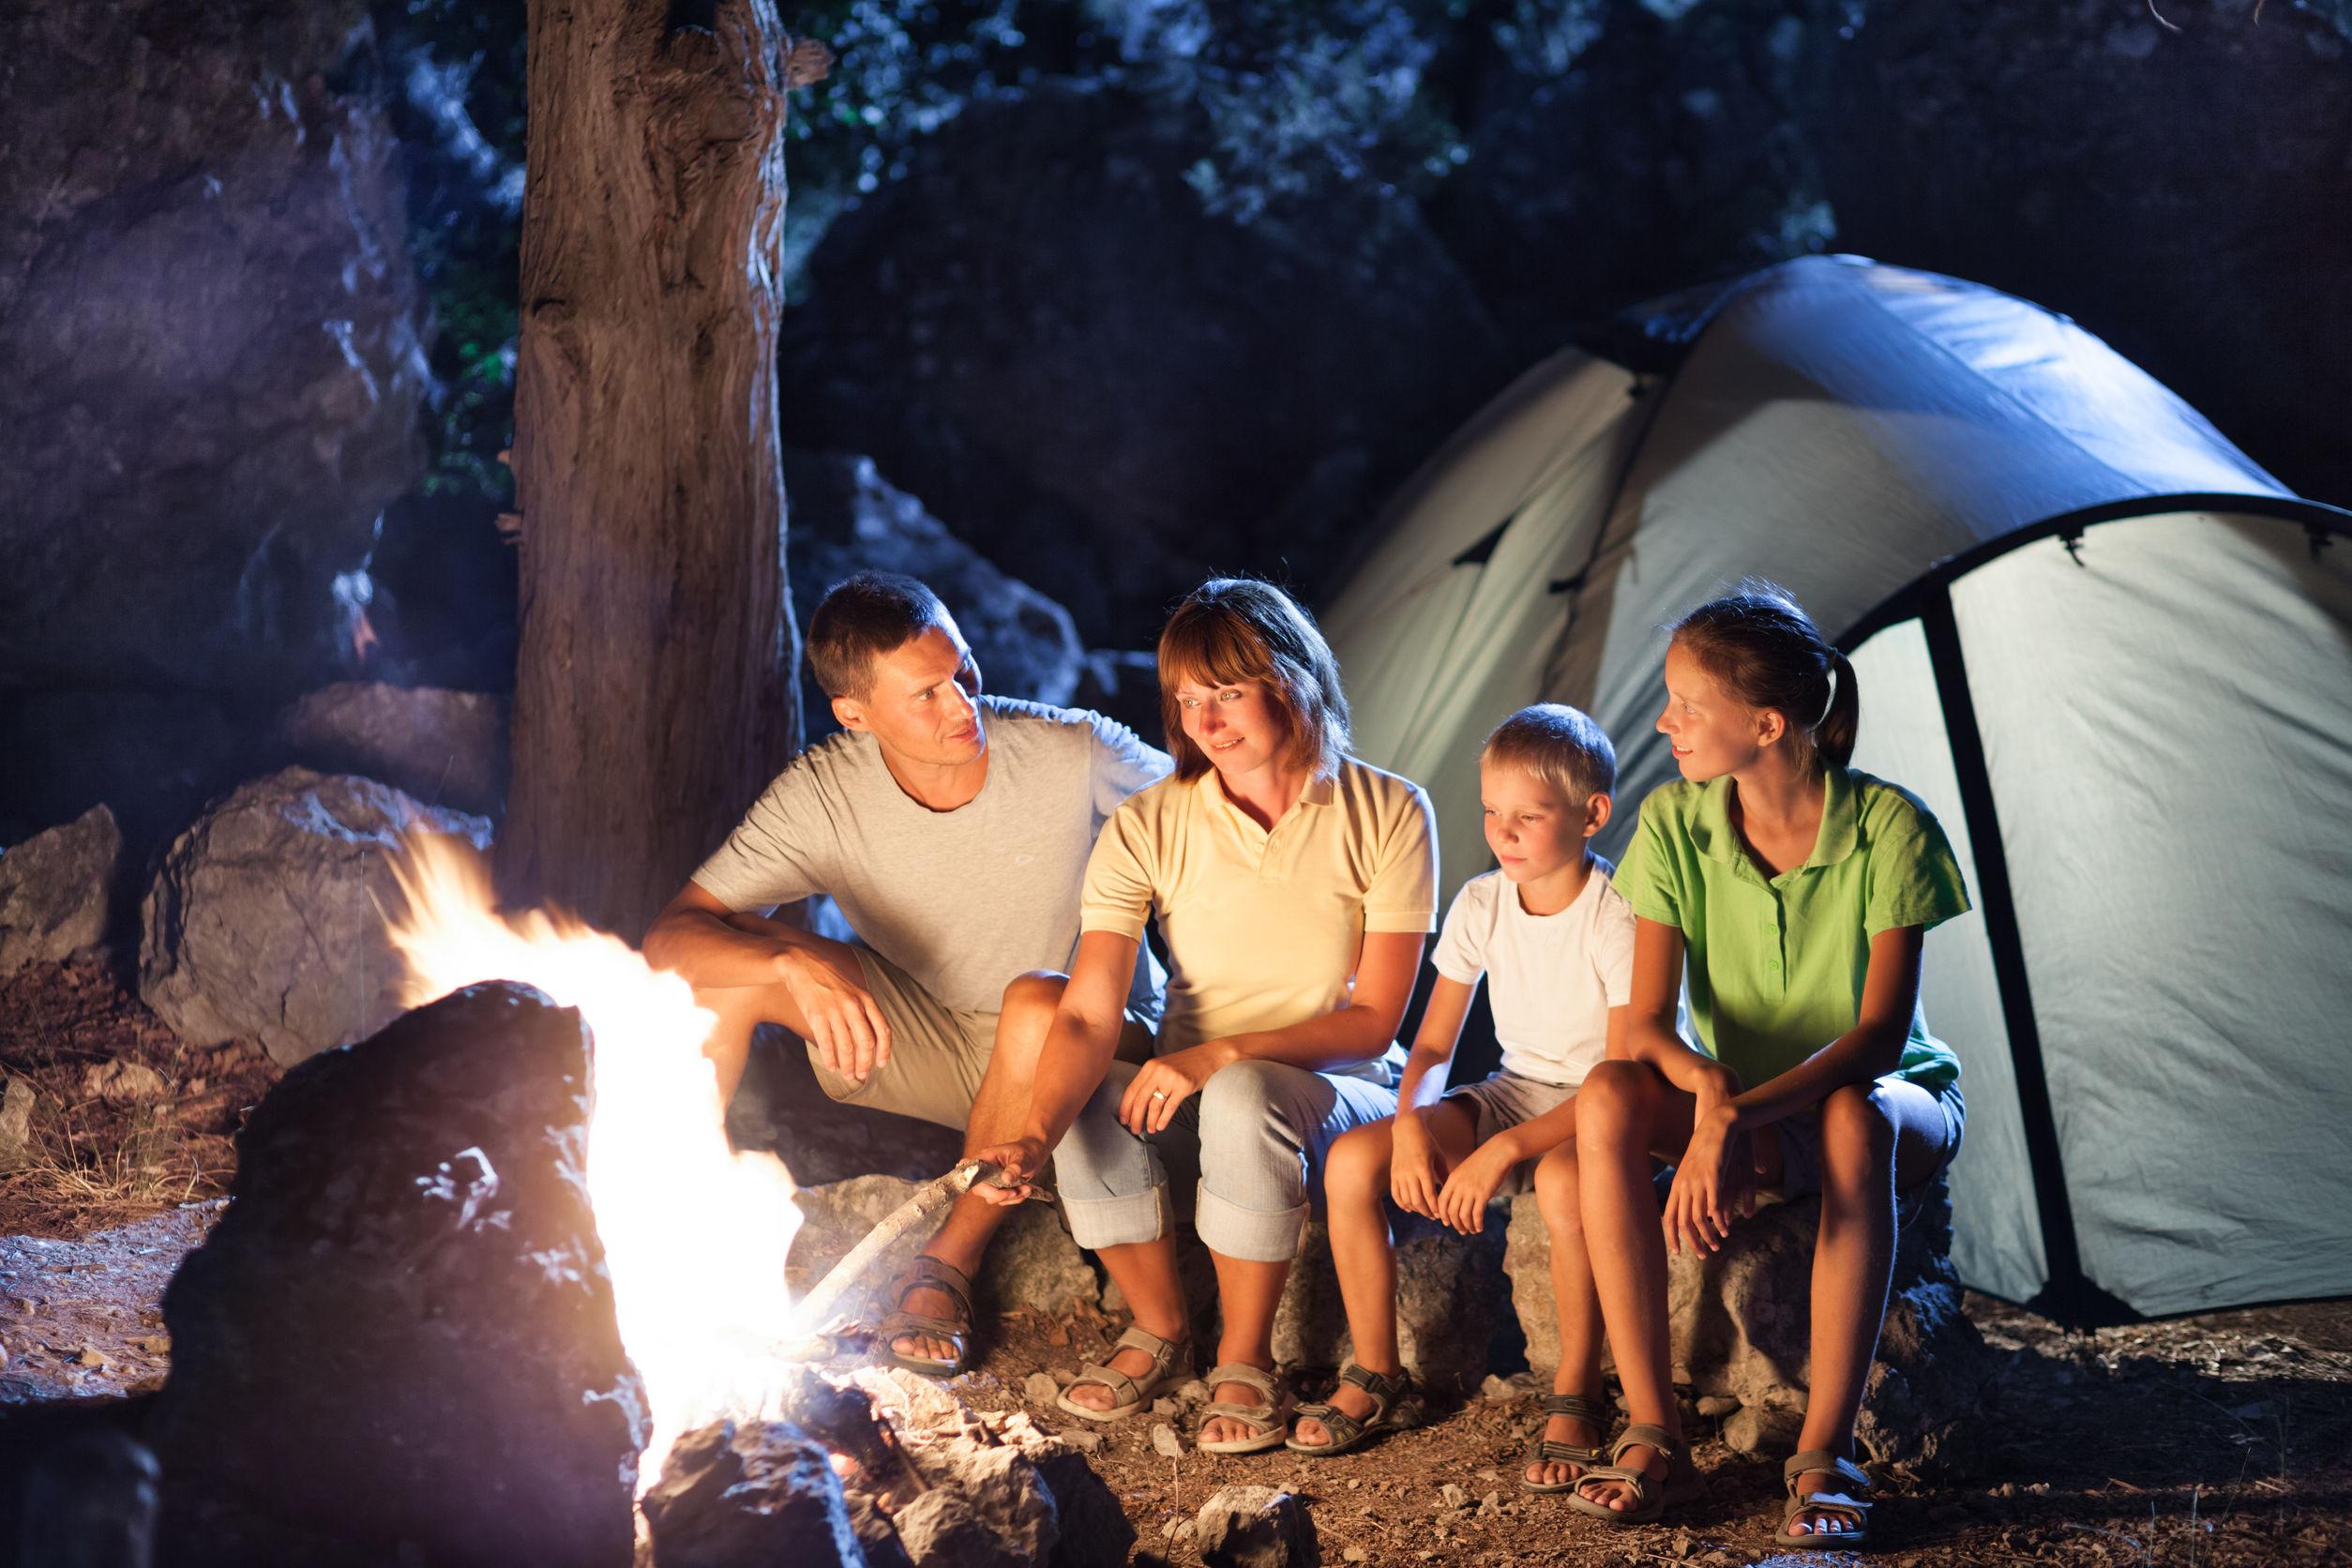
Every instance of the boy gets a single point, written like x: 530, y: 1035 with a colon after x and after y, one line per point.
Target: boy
x: 1557, y: 943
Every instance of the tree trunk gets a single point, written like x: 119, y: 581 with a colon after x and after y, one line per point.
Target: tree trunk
x: 654, y: 689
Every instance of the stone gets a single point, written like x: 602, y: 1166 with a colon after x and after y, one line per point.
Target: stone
x: 16, y: 1148
x: 265, y: 922
x: 1739, y: 1329
x: 1453, y: 1495
x: 57, y: 890
x: 1042, y: 1390
x: 846, y: 517
x: 1033, y: 1262
x: 1165, y: 1443
x: 1256, y: 1527
x: 764, y: 1492
x: 399, y: 1341
x: 444, y: 749
x: 1450, y: 1294
x: 121, y: 1082
x: 1139, y: 391
x: 214, y: 338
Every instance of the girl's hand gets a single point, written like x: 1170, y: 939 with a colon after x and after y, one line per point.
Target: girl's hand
x: 1714, y: 1182
x: 1162, y: 1084
x: 1414, y: 1173
x: 1463, y: 1203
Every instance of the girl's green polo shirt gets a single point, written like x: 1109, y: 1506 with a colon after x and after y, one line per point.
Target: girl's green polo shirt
x: 1776, y: 964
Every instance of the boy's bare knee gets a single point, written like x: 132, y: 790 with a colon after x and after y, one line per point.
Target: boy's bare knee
x: 1556, y: 1188
x: 1358, y: 1159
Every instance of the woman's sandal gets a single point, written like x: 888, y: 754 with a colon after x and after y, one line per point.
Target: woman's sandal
x: 929, y: 1273
x: 1542, y: 1450
x: 1347, y: 1431
x: 1134, y: 1394
x: 1269, y: 1423
x: 1844, y: 1504
x: 1651, y: 1498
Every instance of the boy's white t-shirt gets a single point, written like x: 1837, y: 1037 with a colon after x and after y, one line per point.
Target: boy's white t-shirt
x: 1550, y: 979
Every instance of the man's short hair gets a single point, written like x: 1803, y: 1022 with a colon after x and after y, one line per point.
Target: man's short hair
x: 1560, y: 744
x: 860, y: 619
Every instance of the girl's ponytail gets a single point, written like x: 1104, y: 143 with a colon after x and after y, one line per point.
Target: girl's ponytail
x: 1765, y: 650
x: 1834, y: 738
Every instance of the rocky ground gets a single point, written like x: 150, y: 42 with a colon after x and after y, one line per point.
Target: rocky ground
x: 2222, y: 1439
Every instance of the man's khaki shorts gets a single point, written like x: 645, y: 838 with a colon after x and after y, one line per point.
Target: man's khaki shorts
x: 937, y: 1053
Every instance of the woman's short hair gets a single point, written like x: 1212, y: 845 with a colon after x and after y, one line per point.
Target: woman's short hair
x: 1560, y: 744
x: 1235, y: 629
x: 861, y: 618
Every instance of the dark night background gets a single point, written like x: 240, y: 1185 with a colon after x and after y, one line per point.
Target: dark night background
x: 1111, y: 294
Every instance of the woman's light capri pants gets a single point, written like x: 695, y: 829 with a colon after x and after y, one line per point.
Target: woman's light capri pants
x: 1258, y: 1128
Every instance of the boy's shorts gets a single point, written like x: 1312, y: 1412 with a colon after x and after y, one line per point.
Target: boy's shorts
x: 1801, y: 1141
x: 1505, y: 1100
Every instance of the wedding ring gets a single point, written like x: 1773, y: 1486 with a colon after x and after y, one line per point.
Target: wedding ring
x: 1159, y: 1093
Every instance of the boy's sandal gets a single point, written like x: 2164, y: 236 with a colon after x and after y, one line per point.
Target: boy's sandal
x: 929, y: 1273
x: 1134, y: 1394
x: 1651, y: 1498
x: 1268, y: 1422
x: 1542, y: 1450
x: 1347, y: 1431
x: 1853, y: 1511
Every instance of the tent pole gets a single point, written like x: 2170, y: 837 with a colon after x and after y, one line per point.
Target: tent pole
x: 2069, y: 1295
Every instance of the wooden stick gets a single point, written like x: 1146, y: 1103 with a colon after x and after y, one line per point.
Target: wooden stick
x: 813, y: 1308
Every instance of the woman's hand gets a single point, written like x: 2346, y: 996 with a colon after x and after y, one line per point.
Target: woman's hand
x: 1714, y: 1182
x: 1468, y: 1191
x: 1020, y: 1160
x: 1162, y: 1083
x: 1414, y: 1172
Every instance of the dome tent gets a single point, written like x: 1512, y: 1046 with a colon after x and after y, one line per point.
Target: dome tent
x: 2106, y: 648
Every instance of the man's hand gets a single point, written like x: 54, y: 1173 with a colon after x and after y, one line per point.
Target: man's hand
x: 1021, y: 1160
x: 1413, y: 1175
x: 845, y: 1022
x: 1468, y: 1191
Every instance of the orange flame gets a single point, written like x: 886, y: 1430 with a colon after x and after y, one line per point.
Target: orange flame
x: 694, y: 1234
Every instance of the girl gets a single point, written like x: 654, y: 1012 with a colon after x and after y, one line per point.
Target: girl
x: 1796, y: 890
x: 1293, y: 886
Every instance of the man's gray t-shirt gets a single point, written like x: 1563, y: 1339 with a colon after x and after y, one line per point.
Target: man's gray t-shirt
x: 962, y: 901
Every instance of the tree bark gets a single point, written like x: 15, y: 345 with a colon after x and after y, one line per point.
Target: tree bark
x: 655, y: 682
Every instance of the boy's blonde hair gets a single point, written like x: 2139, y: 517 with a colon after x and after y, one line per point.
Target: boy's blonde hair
x: 1560, y: 744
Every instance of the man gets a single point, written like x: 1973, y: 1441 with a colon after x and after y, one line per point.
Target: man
x: 952, y: 829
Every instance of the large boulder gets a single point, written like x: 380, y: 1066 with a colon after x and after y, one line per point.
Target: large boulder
x: 1045, y: 333
x: 211, y: 328
x: 1033, y: 1262
x: 1741, y: 1326
x: 846, y: 517
x: 58, y: 889
x: 399, y: 1343
x: 266, y: 920
x: 445, y: 747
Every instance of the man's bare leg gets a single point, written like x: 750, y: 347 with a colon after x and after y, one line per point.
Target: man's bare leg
x: 997, y: 1111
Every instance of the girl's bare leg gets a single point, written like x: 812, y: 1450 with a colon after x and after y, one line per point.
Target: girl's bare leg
x: 1626, y: 1110
x: 1872, y: 1135
x: 1556, y: 1198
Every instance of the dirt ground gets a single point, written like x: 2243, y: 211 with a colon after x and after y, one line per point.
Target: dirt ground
x: 2222, y: 1439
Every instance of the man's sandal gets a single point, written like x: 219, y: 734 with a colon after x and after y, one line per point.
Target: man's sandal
x: 1268, y: 1422
x: 1542, y: 1450
x: 1347, y: 1431
x: 1842, y: 1505
x: 1651, y: 1498
x: 1134, y: 1394
x: 929, y: 1273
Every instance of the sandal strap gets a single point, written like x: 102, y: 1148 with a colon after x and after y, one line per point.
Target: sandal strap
x: 1127, y: 1388
x: 1544, y: 1449
x: 1639, y: 1482
x: 1821, y: 1459
x: 1242, y: 1372
x: 1643, y: 1434
x: 1162, y: 1351
x: 928, y: 1273
x: 1384, y: 1389
x: 1343, y: 1427
x: 1575, y: 1407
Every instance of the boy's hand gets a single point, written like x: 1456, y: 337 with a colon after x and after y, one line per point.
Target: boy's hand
x: 1413, y: 1175
x: 1468, y: 1191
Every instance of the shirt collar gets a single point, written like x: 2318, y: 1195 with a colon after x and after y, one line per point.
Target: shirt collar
x: 1712, y: 834
x: 1320, y: 790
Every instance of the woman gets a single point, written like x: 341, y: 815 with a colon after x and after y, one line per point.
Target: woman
x: 1294, y: 886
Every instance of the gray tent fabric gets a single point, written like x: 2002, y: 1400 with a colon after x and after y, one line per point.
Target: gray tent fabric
x: 2104, y: 646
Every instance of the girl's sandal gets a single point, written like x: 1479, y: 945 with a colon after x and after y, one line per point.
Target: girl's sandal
x: 1844, y: 1505
x: 1268, y: 1422
x: 1651, y: 1498
x: 929, y: 1273
x: 1347, y: 1431
x: 1134, y: 1394
x: 1542, y: 1450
